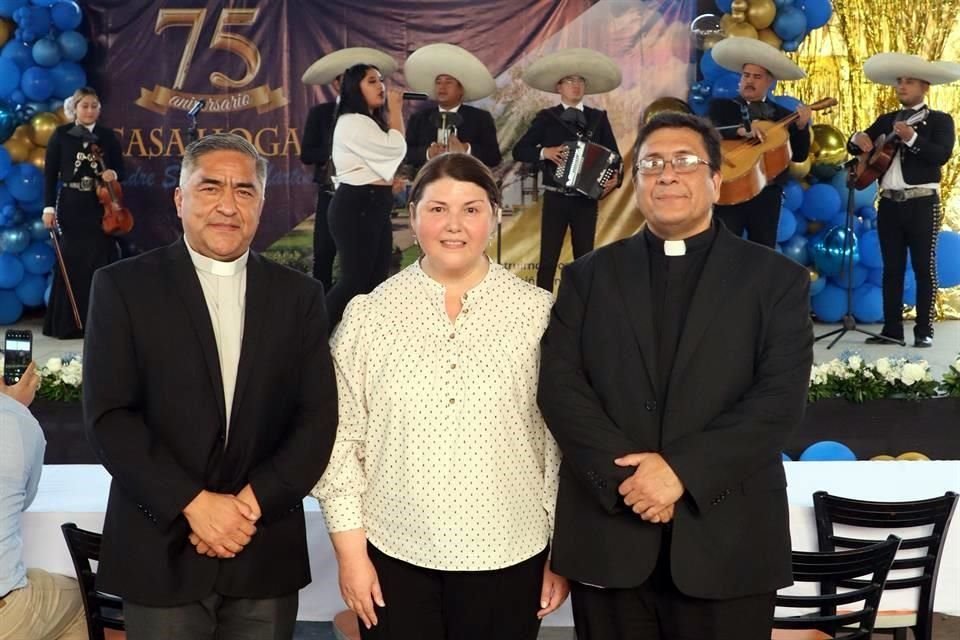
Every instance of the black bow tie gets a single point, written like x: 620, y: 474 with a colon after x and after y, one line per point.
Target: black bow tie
x: 575, y: 117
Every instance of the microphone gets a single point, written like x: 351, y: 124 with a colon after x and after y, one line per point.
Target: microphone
x: 196, y: 108
x: 415, y: 95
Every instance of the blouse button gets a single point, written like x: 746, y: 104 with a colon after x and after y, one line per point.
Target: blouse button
x: 452, y: 336
x: 452, y: 400
x: 453, y: 365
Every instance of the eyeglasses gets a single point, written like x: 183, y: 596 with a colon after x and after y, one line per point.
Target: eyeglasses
x: 685, y: 163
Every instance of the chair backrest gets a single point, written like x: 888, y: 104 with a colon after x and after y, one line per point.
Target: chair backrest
x: 867, y: 567
x: 891, y: 517
x: 102, y: 610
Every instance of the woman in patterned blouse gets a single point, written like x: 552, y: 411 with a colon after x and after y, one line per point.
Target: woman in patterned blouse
x: 440, y: 493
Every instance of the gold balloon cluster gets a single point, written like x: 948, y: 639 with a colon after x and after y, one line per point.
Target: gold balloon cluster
x: 29, y: 141
x: 914, y: 456
x: 752, y: 19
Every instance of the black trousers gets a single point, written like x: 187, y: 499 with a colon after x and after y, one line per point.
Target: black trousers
x: 657, y: 610
x: 425, y: 604
x: 324, y: 249
x: 214, y: 618
x: 360, y: 225
x: 912, y: 224
x: 759, y: 216
x: 559, y: 212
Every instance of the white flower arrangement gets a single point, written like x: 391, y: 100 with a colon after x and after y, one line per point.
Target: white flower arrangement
x: 951, y: 379
x: 62, y: 378
x: 850, y: 377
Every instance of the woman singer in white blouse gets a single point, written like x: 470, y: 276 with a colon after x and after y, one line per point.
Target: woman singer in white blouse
x: 440, y: 493
x: 368, y: 146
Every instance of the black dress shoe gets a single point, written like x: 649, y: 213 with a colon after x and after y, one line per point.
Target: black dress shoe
x: 923, y: 342
x: 883, y: 340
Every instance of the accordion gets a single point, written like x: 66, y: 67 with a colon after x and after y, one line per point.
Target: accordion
x: 586, y: 168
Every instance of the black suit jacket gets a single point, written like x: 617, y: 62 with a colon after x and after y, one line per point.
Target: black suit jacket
x: 737, y: 389
x: 725, y: 112
x: 477, y: 128
x: 547, y: 130
x: 921, y: 163
x: 154, y: 412
x: 62, y: 150
x: 317, y: 143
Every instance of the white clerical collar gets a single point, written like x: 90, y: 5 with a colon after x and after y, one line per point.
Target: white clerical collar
x: 217, y: 267
x: 674, y: 247
x: 451, y: 110
x: 578, y: 106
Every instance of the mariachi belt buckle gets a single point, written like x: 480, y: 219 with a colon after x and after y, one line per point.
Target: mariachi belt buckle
x: 86, y: 183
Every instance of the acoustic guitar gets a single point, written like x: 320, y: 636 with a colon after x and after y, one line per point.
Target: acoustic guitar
x: 875, y: 163
x: 750, y: 165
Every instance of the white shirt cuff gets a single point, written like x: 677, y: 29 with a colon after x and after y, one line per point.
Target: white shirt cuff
x: 49, y: 210
x: 912, y: 140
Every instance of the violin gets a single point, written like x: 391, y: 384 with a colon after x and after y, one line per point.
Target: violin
x: 117, y: 219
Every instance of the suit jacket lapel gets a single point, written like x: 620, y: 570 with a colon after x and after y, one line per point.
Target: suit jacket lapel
x: 705, y: 308
x: 187, y: 286
x: 255, y: 311
x: 632, y: 268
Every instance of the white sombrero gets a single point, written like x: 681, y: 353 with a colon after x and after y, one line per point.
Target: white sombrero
x: 885, y: 68
x: 734, y: 52
x: 601, y: 73
x: 326, y: 69
x: 426, y: 63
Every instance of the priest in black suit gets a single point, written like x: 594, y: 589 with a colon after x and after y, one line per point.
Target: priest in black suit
x: 759, y: 66
x: 451, y: 76
x: 674, y: 368
x: 209, y: 396
x: 908, y: 216
x: 571, y: 73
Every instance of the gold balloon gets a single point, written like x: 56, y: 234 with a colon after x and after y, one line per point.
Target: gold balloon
x: 18, y: 148
x: 799, y: 170
x: 761, y: 13
x: 742, y: 30
x: 913, y: 456
x: 6, y: 29
x: 22, y: 132
x: 831, y: 144
x: 37, y: 157
x: 662, y: 105
x: 712, y: 39
x: 770, y: 37
x: 42, y: 127
x: 738, y: 9
x: 881, y: 458
x: 62, y: 116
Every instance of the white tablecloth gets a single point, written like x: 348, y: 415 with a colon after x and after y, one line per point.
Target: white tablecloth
x: 78, y: 493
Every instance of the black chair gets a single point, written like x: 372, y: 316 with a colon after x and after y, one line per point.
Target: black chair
x: 103, y: 611
x: 846, y: 570
x: 890, y: 516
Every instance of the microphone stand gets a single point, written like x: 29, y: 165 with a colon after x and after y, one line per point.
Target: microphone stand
x: 849, y: 323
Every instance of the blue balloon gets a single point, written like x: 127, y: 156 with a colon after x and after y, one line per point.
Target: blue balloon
x: 816, y: 286
x: 868, y: 303
x: 46, y: 293
x: 9, y: 77
x: 10, y: 307
x: 8, y: 123
x: 858, y: 276
x: 785, y: 458
x: 25, y: 182
x: 9, y: 7
x: 37, y: 83
x: 33, y: 206
x: 870, y: 250
x: 67, y: 78
x: 820, y: 202
x: 948, y: 259
x: 830, y: 304
x: 38, y: 258
x: 73, y: 45
x: 11, y: 271
x: 34, y: 21
x: 726, y: 85
x: 787, y: 225
x: 66, y: 15
x: 788, y: 102
x: 44, y: 3
x: 20, y: 52
x: 5, y: 197
x: 818, y: 12
x: 865, y: 198
x: 867, y: 213
x: 796, y: 249
x: 709, y: 67
x: 5, y: 162
x: 699, y: 105
x: 828, y: 450
x: 37, y: 230
x: 836, y: 251
x: 782, y: 3
x: 14, y: 240
x: 46, y: 52
x: 790, y: 23
x: 30, y: 290
x: 725, y: 5
x: 792, y: 195
x: 875, y: 277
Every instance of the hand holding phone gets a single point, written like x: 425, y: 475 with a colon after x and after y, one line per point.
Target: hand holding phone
x: 18, y: 354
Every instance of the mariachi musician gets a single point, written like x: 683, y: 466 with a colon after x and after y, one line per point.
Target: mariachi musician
x: 908, y: 216
x: 759, y: 65
x: 572, y: 73
x: 451, y: 76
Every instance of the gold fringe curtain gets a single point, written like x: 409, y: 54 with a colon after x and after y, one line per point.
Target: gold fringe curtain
x: 833, y: 58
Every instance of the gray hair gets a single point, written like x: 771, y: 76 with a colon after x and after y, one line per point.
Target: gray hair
x: 221, y: 142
